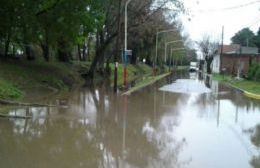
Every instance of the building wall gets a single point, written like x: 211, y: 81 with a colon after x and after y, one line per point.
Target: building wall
x: 216, y: 64
x: 233, y: 62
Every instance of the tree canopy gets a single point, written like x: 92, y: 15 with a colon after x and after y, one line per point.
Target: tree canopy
x: 57, y: 27
x: 244, y: 37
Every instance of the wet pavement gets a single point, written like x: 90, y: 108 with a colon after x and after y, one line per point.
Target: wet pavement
x: 151, y: 128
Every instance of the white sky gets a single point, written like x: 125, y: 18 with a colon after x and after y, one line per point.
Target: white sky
x: 208, y: 16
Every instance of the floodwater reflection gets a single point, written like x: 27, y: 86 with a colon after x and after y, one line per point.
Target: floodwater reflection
x: 150, y: 128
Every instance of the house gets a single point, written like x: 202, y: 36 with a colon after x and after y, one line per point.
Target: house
x: 227, y: 49
x: 235, y: 59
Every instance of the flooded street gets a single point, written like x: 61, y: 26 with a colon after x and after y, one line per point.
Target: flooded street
x: 151, y: 128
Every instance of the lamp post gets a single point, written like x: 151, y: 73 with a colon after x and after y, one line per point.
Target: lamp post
x: 166, y: 45
x: 176, y: 49
x: 125, y: 51
x: 156, y: 46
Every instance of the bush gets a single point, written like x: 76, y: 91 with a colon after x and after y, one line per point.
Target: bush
x: 257, y: 74
x: 9, y: 91
x: 254, y: 72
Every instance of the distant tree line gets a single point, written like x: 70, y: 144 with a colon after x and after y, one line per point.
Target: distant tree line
x: 93, y: 29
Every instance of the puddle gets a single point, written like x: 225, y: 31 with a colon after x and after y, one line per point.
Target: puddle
x: 187, y: 86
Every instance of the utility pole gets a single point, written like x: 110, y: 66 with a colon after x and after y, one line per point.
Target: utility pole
x: 221, y: 51
x: 156, y: 46
x: 125, y: 50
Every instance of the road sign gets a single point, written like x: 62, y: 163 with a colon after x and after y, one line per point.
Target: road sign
x: 129, y: 52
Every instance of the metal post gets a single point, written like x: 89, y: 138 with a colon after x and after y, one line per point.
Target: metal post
x: 156, y: 50
x: 175, y: 49
x: 125, y: 52
x: 165, y: 49
x: 221, y: 51
x: 156, y: 46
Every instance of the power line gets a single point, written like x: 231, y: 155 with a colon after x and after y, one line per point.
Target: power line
x: 229, y: 8
x: 253, y: 22
x: 258, y: 21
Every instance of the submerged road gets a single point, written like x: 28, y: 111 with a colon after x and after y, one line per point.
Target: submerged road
x: 188, y: 123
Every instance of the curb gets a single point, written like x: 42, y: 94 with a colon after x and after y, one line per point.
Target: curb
x: 246, y: 93
x: 145, y: 84
x: 251, y: 95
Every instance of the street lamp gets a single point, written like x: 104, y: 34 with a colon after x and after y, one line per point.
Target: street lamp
x: 176, y: 49
x: 166, y: 45
x: 156, y: 47
x: 125, y: 52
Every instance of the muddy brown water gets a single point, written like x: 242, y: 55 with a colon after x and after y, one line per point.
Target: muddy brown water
x: 96, y: 128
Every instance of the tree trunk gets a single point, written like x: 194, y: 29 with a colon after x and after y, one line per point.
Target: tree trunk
x: 208, y: 69
x: 79, y: 53
x: 102, y: 57
x: 99, y: 53
x: 14, y: 51
x: 63, y: 54
x: 28, y: 52
x: 84, y: 52
x: 45, y: 46
x: 117, y: 52
x: 7, y: 43
x: 45, y: 50
x: 88, y: 47
x: 209, y: 61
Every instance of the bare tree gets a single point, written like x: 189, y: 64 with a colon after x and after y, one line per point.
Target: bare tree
x: 209, y: 49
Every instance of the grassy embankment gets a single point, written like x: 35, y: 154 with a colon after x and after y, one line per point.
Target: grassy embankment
x: 20, y: 79
x: 134, y: 71
x: 246, y: 85
x: 148, y: 81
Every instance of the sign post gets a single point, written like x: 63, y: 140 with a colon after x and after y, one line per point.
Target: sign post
x: 126, y: 55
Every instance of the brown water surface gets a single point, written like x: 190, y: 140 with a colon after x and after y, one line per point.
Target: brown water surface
x: 94, y: 127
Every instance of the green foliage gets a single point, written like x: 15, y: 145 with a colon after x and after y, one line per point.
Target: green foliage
x: 133, y: 72
x: 8, y: 90
x: 247, y: 85
x: 257, y: 39
x: 244, y: 37
x: 46, y: 22
x: 30, y: 76
x: 221, y: 77
x: 147, y: 81
x: 254, y: 72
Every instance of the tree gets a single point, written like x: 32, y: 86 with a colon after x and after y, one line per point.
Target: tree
x: 144, y: 19
x: 208, y: 48
x: 244, y: 37
x: 257, y: 40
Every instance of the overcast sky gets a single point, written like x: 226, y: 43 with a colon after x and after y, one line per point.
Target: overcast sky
x: 208, y: 16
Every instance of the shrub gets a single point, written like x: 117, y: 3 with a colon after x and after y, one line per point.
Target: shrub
x: 257, y: 74
x: 254, y: 72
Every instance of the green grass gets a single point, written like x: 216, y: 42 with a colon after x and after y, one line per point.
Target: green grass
x: 146, y: 82
x: 134, y: 71
x: 9, y: 91
x: 23, y: 78
x: 220, y: 77
x: 247, y: 85
x: 32, y: 76
x: 250, y: 86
